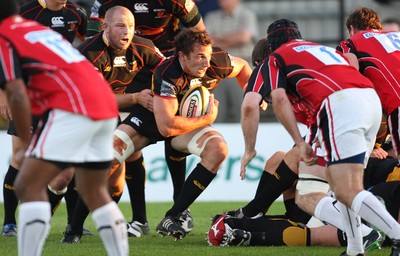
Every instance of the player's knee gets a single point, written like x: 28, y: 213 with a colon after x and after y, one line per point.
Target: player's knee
x: 123, y: 146
x: 216, y: 149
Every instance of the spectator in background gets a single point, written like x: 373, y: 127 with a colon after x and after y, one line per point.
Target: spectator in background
x: 234, y: 29
x: 391, y: 24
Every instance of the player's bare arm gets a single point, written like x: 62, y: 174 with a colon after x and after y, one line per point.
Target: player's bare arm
x: 241, y: 70
x: 283, y: 110
x: 250, y: 120
x: 171, y: 125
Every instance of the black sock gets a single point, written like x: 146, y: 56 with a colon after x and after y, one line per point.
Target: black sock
x: 71, y: 197
x: 10, y: 199
x: 116, y: 198
x: 80, y: 214
x: 195, y: 184
x: 135, y: 178
x: 176, y: 162
x: 265, y: 177
x: 294, y: 213
x: 281, y: 180
x: 55, y: 200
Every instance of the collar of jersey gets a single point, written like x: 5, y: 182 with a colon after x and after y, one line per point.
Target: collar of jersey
x: 105, y: 40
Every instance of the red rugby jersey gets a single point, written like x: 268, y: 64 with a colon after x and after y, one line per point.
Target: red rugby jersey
x: 56, y: 74
x: 309, y: 73
x: 378, y: 55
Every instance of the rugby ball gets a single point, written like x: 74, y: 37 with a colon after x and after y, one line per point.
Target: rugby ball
x: 195, y: 102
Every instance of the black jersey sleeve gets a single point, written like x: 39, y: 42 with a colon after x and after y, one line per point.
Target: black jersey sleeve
x: 186, y: 11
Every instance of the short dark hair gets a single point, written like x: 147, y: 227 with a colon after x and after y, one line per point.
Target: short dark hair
x: 364, y: 18
x: 260, y: 51
x: 282, y: 31
x: 7, y: 8
x: 188, y: 37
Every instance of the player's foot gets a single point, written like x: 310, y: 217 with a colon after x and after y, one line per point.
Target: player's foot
x: 186, y: 220
x: 9, y: 230
x: 219, y: 228
x: 86, y: 232
x: 345, y: 254
x: 373, y: 241
x: 240, y: 215
x: 236, y: 237
x: 395, y: 247
x: 170, y: 226
x: 70, y: 237
x: 137, y: 229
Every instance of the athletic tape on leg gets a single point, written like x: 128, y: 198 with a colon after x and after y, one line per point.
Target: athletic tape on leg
x: 309, y: 183
x: 126, y: 152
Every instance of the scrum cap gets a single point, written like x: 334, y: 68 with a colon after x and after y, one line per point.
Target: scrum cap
x: 282, y: 31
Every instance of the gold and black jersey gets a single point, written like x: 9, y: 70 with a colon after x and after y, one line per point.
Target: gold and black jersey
x: 120, y: 67
x: 70, y: 21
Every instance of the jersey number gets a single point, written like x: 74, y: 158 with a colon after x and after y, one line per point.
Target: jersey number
x: 56, y: 44
x: 327, y: 55
x: 389, y: 41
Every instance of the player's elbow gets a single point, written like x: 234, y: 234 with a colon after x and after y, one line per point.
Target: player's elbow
x: 165, y: 131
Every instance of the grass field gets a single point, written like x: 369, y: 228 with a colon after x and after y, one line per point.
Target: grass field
x: 193, y: 244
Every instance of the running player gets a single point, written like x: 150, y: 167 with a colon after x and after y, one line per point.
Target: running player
x: 77, y: 112
x: 70, y: 20
x: 195, y: 62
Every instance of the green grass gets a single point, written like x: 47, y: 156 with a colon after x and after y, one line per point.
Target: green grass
x: 192, y: 245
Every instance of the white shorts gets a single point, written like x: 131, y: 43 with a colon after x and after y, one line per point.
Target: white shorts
x: 71, y: 138
x: 348, y: 122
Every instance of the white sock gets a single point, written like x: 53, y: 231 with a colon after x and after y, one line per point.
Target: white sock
x: 33, y: 227
x: 352, y: 224
x: 370, y: 209
x: 112, y: 228
x: 327, y: 212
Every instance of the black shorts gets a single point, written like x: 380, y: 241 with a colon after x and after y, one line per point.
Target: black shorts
x: 12, y: 130
x: 377, y: 170
x: 390, y: 193
x: 143, y: 121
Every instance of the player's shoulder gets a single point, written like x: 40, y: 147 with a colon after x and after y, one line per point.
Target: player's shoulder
x: 29, y: 7
x: 142, y: 42
x: 92, y: 44
x: 77, y: 8
x: 170, y: 69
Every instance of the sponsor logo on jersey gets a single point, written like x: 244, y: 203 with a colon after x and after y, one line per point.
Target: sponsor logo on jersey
x: 189, y: 4
x: 136, y: 121
x: 167, y: 89
x: 95, y: 9
x: 57, y: 22
x: 195, y: 81
x: 302, y: 48
x: 119, y: 61
x: 141, y: 8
